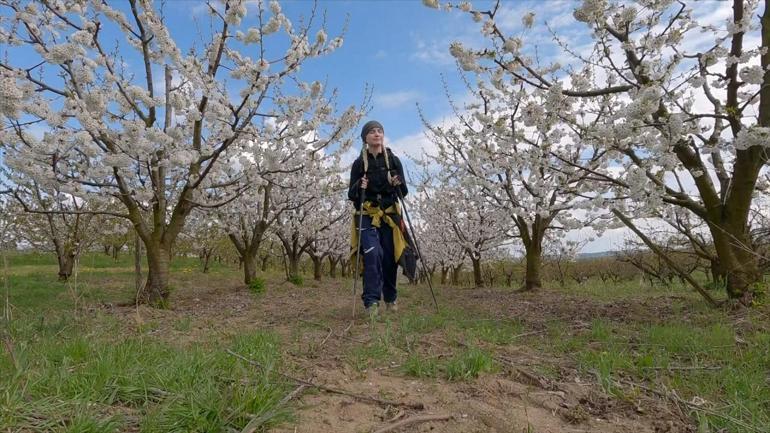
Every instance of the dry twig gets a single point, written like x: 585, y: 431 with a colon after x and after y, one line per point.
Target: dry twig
x: 413, y: 420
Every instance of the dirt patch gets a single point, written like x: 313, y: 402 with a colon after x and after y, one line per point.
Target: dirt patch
x: 321, y: 342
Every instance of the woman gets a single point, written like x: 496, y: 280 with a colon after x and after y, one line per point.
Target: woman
x: 376, y: 181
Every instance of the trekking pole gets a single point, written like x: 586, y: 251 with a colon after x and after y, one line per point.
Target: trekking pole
x: 417, y: 247
x: 358, y: 249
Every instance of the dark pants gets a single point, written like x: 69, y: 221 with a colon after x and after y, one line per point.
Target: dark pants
x: 380, y: 267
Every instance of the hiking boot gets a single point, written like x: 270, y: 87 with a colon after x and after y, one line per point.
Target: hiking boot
x: 372, y: 310
x: 391, y: 307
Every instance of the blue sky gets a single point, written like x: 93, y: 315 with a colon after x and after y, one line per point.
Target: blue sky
x: 398, y: 47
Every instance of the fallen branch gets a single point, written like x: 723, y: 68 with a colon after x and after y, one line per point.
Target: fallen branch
x: 415, y: 406
x: 413, y: 420
x: 254, y: 424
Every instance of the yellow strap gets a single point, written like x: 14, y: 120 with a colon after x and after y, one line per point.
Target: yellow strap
x: 378, y: 216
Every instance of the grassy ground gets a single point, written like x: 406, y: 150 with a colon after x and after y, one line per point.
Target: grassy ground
x: 76, y: 369
x: 70, y: 363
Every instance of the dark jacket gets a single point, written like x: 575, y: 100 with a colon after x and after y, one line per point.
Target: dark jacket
x: 379, y: 189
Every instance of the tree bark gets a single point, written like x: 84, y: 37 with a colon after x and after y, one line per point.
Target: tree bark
x: 247, y: 245
x: 738, y: 262
x: 478, y: 281
x: 333, y: 267
x: 207, y: 259
x: 249, y: 268
x: 456, y: 274
x: 156, y: 291
x: 66, y: 258
x: 292, y: 266
x: 534, y: 254
x: 718, y: 274
x: 532, y: 235
x: 444, y: 273
x: 137, y: 264
x: 317, y: 267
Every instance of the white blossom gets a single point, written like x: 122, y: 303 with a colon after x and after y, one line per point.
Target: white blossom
x: 752, y: 74
x: 528, y: 20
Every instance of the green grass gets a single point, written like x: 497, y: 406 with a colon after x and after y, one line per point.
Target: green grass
x: 63, y: 380
x: 74, y: 370
x: 86, y: 371
x: 257, y: 286
x: 498, y: 332
x: 469, y: 364
x: 419, y: 366
x: 466, y: 364
x: 697, y: 359
x: 626, y: 290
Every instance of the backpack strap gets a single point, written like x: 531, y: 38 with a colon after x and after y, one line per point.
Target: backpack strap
x: 365, y: 159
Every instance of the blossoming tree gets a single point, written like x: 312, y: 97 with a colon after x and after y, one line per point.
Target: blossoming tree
x: 680, y: 104
x: 102, y: 100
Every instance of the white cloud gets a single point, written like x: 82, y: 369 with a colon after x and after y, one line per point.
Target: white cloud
x: 434, y: 53
x: 396, y: 99
x: 414, y: 145
x: 380, y: 54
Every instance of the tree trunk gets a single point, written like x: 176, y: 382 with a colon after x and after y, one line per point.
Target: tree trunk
x: 456, y: 274
x: 444, y: 272
x: 265, y: 261
x: 332, y: 267
x: 115, y: 251
x: 292, y: 266
x: 317, y: 267
x: 247, y: 254
x: 206, y: 259
x: 249, y: 268
x: 738, y: 263
x: 107, y: 250
x: 156, y: 291
x: 478, y: 281
x: 137, y: 265
x: 534, y: 252
x: 66, y: 259
x: 717, y: 272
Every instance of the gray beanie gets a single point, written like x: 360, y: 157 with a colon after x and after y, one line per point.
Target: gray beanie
x: 368, y: 126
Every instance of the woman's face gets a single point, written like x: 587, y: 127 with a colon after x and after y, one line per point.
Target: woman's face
x: 375, y: 137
